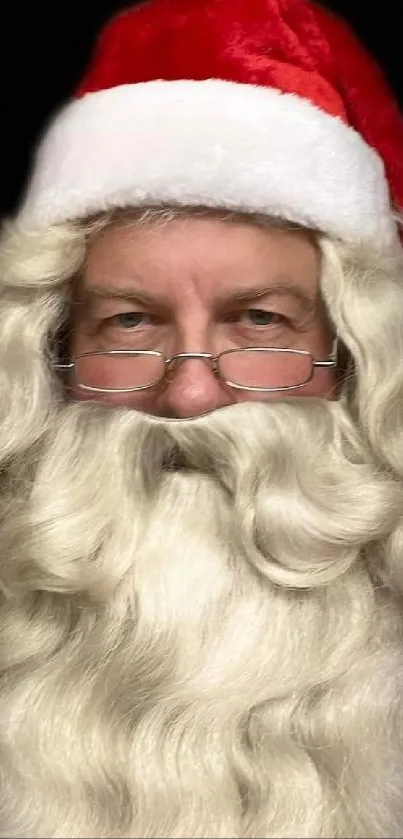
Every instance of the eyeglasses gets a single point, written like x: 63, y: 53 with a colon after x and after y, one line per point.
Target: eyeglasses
x: 258, y: 369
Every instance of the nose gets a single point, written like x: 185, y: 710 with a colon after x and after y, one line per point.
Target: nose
x: 192, y: 389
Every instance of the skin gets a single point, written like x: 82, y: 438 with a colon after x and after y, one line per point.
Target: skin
x: 192, y: 269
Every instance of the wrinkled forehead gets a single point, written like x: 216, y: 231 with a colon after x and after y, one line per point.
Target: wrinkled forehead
x: 214, y: 257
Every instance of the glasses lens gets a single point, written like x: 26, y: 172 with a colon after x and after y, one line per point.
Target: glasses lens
x: 266, y: 368
x: 118, y: 371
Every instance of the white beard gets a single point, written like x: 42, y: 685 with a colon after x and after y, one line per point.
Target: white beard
x: 204, y: 651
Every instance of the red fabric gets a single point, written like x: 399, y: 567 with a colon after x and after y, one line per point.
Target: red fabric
x: 371, y: 108
x: 292, y: 45
x: 262, y: 42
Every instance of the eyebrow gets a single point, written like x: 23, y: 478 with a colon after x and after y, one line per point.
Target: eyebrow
x: 247, y: 294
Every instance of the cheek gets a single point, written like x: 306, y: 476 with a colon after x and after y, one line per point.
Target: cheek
x: 139, y: 401
x: 76, y: 340
x: 323, y: 386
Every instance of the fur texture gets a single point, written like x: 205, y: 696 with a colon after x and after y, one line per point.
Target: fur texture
x: 227, y: 104
x: 214, y: 143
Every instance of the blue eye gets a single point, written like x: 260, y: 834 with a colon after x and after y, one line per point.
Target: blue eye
x: 262, y: 317
x: 128, y: 320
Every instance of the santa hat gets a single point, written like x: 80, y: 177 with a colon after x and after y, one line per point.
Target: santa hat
x: 267, y: 106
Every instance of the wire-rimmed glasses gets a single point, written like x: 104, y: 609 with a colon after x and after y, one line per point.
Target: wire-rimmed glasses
x: 257, y: 369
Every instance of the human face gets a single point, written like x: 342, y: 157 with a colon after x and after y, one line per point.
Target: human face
x: 200, y: 285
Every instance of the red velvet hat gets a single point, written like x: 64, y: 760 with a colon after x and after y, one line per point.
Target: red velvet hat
x: 255, y: 105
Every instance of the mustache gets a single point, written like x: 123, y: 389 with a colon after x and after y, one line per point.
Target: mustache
x: 222, y: 444
x: 303, y: 492
x: 252, y: 435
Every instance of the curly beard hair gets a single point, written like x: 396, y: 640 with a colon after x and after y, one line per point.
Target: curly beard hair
x: 200, y: 634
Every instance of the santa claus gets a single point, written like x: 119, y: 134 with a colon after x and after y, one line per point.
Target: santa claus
x: 201, y: 439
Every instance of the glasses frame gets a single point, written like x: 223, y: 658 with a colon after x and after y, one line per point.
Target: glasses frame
x: 171, y: 362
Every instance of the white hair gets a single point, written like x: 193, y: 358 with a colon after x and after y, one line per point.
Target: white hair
x: 214, y: 650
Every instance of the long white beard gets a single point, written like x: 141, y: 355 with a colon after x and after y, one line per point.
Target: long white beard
x: 204, y: 651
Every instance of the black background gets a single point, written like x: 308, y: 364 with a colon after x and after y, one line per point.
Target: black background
x: 45, y: 46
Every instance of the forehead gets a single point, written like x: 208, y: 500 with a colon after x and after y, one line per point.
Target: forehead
x: 214, y: 256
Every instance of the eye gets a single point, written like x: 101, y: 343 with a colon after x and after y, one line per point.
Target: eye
x: 261, y: 317
x: 128, y: 320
